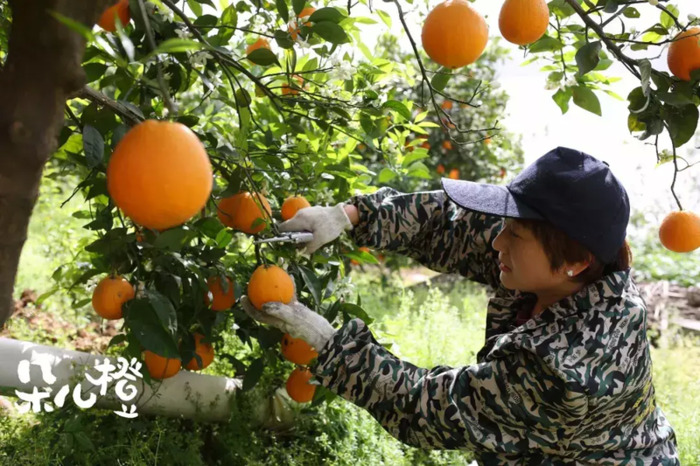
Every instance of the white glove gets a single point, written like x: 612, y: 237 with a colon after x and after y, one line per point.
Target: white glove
x: 293, y: 318
x: 326, y: 224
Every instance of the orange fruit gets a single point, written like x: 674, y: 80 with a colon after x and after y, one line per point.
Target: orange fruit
x: 522, y: 22
x: 447, y: 145
x: 446, y: 105
x: 242, y: 212
x: 294, y: 27
x: 487, y: 141
x: 160, y: 367
x: 292, y: 205
x: 204, y: 350
x: 426, y: 145
x: 440, y: 169
x: 108, y: 20
x: 298, y: 386
x: 502, y: 172
x: 454, y: 174
x: 297, y: 350
x: 220, y: 300
x: 159, y: 174
x: 270, y: 284
x: 288, y: 89
x: 109, y: 295
x: 454, y: 34
x: 261, y: 43
x: 684, y: 53
x: 680, y: 231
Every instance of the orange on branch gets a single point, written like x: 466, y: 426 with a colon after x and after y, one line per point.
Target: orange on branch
x: 454, y: 34
x: 261, y: 43
x: 297, y: 350
x: 205, y: 352
x: 523, y: 22
x: 109, y: 296
x: 160, y: 367
x: 270, y: 284
x: 446, y: 105
x: 447, y: 145
x: 295, y: 27
x: 440, y: 169
x: 680, y: 231
x: 292, y: 205
x: 159, y: 174
x: 298, y: 386
x: 684, y: 53
x: 288, y: 89
x: 108, y: 20
x: 244, y: 211
x: 454, y: 174
x: 220, y: 300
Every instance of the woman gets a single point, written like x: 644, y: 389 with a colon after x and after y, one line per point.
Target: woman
x: 564, y: 376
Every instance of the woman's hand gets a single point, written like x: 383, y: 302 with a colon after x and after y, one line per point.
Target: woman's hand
x: 326, y: 224
x: 293, y: 318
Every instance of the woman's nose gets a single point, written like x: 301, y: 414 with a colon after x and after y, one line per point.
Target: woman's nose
x: 497, y: 242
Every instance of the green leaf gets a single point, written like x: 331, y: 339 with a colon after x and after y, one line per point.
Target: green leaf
x: 327, y: 14
x: 587, y: 57
x: 263, y: 57
x: 414, y: 156
x: 386, y: 175
x: 562, y: 97
x: 546, y: 44
x: 330, y: 32
x: 666, y: 20
x: 94, y: 146
x: 94, y: 71
x: 116, y: 339
x: 242, y: 97
x: 645, y: 72
x: 630, y: 12
x: 164, y: 310
x: 586, y: 99
x: 147, y: 328
x: 175, y: 46
x: 282, y: 9
x: 682, y: 122
x: 172, y: 239
x: 252, y: 374
x: 356, y: 311
x: 313, y: 283
x: 74, y: 25
x: 298, y: 5
x: 440, y: 79
x: 398, y: 107
x: 611, y: 6
x: 284, y: 39
x: 229, y: 17
x: 384, y: 17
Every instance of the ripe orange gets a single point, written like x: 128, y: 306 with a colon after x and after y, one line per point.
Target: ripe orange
x: 454, y: 34
x: 487, y: 141
x: 160, y: 367
x: 268, y: 284
x: 121, y: 10
x: 426, y: 145
x: 446, y: 105
x: 204, y: 350
x: 159, y: 174
x: 220, y: 300
x: 261, y: 43
x: 294, y: 27
x: 680, y: 231
x: 288, y: 89
x: 684, y: 53
x: 292, y: 205
x: 297, y: 350
x: 109, y: 295
x: 440, y: 169
x: 454, y: 174
x: 298, y: 386
x: 242, y: 212
x: 447, y: 145
x: 522, y: 22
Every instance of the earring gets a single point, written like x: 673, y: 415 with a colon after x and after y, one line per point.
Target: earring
x: 570, y: 273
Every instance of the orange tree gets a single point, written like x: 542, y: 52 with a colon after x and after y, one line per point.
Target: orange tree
x: 295, y: 115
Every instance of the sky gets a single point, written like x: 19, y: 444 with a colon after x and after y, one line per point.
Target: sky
x: 532, y: 113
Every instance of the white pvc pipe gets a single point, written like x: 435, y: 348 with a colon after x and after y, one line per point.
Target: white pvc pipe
x: 188, y: 394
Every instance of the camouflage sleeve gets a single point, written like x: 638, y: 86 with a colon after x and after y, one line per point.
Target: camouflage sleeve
x: 501, y: 407
x: 430, y: 228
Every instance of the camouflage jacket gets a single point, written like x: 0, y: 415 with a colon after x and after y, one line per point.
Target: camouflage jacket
x: 570, y: 386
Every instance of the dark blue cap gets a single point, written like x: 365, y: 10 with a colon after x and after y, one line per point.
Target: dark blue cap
x: 573, y: 191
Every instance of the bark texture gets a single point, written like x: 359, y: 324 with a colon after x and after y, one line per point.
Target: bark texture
x: 41, y: 71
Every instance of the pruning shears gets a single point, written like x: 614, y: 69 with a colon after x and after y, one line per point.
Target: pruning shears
x: 295, y: 237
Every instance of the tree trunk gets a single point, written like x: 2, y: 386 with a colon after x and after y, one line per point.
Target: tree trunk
x: 41, y: 71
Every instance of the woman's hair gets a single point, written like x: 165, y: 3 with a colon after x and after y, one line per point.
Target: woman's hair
x: 561, y: 249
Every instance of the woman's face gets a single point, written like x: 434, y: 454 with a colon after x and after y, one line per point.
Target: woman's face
x: 524, y: 264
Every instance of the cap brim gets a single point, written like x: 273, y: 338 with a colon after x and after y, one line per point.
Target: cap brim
x: 487, y: 199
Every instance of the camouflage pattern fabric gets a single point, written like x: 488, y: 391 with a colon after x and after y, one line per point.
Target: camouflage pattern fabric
x: 570, y: 386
